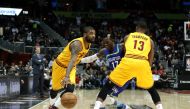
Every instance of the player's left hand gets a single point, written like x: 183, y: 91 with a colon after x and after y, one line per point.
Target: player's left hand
x: 66, y: 81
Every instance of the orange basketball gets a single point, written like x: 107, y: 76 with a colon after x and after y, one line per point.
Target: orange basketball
x: 69, y: 100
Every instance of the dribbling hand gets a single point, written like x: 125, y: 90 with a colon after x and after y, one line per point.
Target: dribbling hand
x: 66, y: 81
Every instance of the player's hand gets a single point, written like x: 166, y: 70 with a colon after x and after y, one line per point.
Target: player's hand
x: 66, y: 81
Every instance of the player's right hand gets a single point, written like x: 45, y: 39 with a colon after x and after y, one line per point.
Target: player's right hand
x: 66, y: 81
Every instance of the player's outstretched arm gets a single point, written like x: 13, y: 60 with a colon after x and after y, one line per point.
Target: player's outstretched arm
x: 94, y: 57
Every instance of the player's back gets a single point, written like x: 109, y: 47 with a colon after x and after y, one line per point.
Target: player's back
x: 135, y: 63
x: 138, y: 45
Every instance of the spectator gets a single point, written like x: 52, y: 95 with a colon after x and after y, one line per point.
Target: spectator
x: 38, y: 73
x: 163, y: 82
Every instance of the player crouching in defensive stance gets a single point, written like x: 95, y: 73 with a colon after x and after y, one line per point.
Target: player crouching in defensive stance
x: 112, y: 53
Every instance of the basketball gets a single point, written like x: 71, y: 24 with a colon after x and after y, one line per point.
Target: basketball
x: 69, y: 100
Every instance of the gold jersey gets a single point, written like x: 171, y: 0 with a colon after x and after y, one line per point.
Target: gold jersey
x: 138, y: 44
x: 135, y: 63
x: 65, y: 56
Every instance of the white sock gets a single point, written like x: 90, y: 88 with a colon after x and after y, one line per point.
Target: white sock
x: 127, y: 106
x: 159, y: 106
x: 97, y: 104
x: 57, y: 102
x: 52, y: 101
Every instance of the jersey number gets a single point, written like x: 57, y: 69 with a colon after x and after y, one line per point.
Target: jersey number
x: 139, y: 45
x: 114, y: 64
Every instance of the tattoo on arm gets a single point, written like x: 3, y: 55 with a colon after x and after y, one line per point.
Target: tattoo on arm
x: 75, y: 48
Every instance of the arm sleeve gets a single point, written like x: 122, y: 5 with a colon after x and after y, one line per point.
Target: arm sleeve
x: 89, y: 59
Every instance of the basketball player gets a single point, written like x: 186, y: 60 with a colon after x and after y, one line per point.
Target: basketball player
x: 136, y: 63
x: 113, y: 54
x: 64, y: 66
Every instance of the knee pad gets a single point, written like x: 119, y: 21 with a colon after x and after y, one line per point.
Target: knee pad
x: 53, y: 93
x: 154, y: 94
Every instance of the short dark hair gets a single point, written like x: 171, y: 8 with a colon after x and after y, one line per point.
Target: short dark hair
x: 141, y: 24
x: 87, y: 28
x: 106, y: 38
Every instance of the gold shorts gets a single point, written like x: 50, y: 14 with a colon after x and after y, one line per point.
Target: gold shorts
x: 58, y: 74
x: 130, y: 68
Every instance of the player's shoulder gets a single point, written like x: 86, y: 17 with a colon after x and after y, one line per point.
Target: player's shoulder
x: 126, y: 37
x: 76, y: 42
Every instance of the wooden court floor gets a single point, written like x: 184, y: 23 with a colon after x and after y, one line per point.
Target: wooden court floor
x: 86, y: 98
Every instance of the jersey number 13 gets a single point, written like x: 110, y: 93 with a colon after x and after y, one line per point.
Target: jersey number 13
x: 139, y: 45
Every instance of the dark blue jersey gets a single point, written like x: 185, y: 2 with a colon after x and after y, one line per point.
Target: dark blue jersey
x: 113, y: 57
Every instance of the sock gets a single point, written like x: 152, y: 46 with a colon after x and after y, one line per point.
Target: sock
x: 58, y: 102
x: 52, y: 101
x: 159, y: 106
x: 97, y: 104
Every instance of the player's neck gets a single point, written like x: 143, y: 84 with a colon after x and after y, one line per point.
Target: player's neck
x: 140, y: 31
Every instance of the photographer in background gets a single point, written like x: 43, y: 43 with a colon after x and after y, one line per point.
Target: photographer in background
x: 38, y: 72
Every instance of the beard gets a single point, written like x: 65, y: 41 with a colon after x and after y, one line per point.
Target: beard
x: 89, y: 40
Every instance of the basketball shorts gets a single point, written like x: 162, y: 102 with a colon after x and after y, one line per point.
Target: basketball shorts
x: 133, y: 68
x: 58, y: 74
